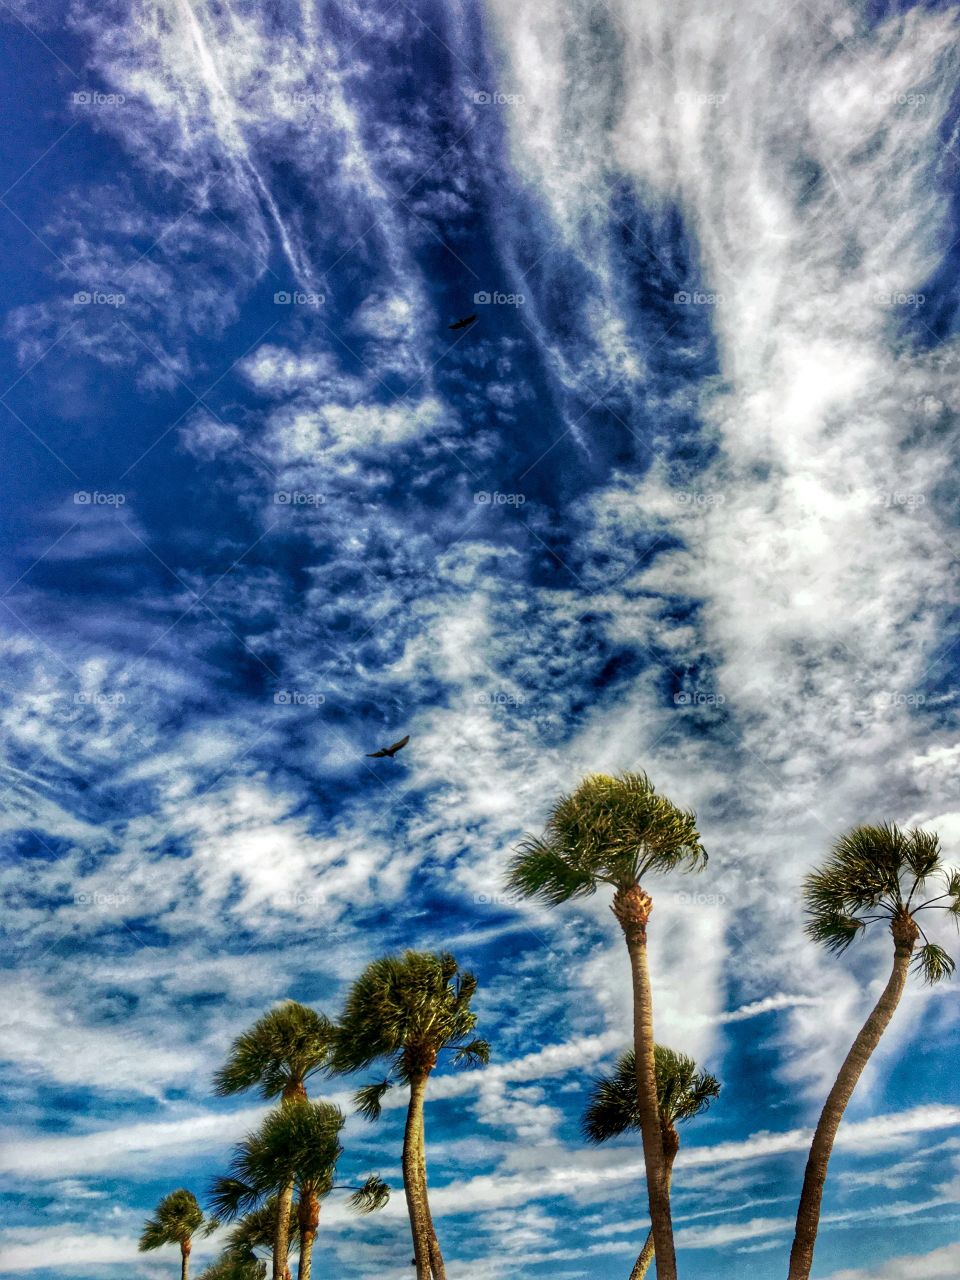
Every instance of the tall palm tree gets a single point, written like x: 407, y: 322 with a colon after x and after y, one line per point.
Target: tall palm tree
x: 277, y: 1056
x: 874, y: 873
x: 682, y: 1093
x: 616, y: 831
x: 176, y: 1220
x: 408, y: 1010
x: 298, y: 1145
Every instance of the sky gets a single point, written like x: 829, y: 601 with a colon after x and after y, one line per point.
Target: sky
x: 680, y: 500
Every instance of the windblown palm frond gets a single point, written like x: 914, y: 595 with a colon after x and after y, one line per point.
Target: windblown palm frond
x: 405, y: 1009
x: 682, y: 1093
x: 298, y: 1142
x: 611, y: 830
x: 880, y: 872
x: 176, y: 1220
x: 373, y: 1195
x: 278, y: 1053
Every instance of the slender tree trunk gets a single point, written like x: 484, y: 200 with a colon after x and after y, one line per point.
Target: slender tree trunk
x: 414, y: 1178
x: 281, y: 1237
x: 671, y: 1144
x: 632, y: 908
x: 308, y: 1216
x: 436, y: 1257
x: 185, y: 1248
x: 905, y: 934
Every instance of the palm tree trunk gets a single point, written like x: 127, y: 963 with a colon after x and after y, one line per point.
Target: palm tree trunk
x: 414, y: 1178
x: 309, y: 1220
x: 281, y: 1238
x: 436, y: 1257
x: 905, y: 935
x: 185, y: 1248
x: 632, y: 908
x: 642, y: 1264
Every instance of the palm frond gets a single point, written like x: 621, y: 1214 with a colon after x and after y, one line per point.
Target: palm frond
x: 474, y: 1054
x: 611, y: 830
x: 278, y: 1053
x: 177, y: 1218
x: 405, y: 1009
x: 373, y: 1195
x: 934, y: 963
x: 368, y: 1100
x: 683, y: 1092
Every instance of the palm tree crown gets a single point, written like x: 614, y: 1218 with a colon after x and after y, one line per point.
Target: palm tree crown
x: 682, y: 1092
x: 176, y: 1220
x: 611, y: 830
x: 407, y: 1009
x: 297, y: 1142
x: 882, y: 873
x: 278, y: 1053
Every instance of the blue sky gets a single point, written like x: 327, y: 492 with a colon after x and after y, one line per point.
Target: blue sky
x: 680, y: 500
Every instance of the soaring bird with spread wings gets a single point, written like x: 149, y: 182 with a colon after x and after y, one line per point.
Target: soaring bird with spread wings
x: 388, y: 751
x: 464, y: 323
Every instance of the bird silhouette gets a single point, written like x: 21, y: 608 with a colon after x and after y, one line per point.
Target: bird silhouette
x: 464, y: 323
x: 388, y: 751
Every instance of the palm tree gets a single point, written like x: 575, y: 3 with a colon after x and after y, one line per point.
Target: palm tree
x: 616, y: 831
x: 176, y: 1220
x: 874, y: 873
x: 277, y: 1056
x: 682, y: 1093
x: 409, y: 1009
x: 232, y: 1266
x: 297, y: 1145
x: 257, y: 1229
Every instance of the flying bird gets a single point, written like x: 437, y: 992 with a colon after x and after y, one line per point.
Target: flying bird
x: 388, y: 751
x: 464, y: 323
